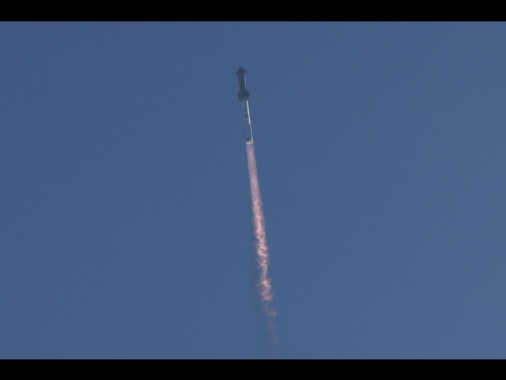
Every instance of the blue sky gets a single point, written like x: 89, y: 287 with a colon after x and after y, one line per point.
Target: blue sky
x: 124, y: 198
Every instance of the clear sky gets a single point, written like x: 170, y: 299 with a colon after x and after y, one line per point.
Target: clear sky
x: 125, y: 222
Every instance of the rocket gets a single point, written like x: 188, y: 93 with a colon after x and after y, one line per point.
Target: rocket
x: 244, y: 98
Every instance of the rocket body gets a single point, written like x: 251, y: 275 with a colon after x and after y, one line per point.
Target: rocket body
x: 244, y: 98
x: 243, y: 89
x: 248, y: 134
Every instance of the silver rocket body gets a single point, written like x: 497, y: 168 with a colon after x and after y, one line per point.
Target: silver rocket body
x: 248, y: 133
x: 244, y: 98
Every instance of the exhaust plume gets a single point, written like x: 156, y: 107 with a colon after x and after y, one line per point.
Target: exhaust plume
x: 262, y: 250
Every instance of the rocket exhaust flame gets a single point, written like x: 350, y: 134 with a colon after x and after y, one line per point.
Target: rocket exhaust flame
x: 262, y: 251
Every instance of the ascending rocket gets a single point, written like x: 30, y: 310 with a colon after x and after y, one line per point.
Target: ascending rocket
x: 244, y: 98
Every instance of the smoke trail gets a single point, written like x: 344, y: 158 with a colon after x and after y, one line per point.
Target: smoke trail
x: 262, y: 251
